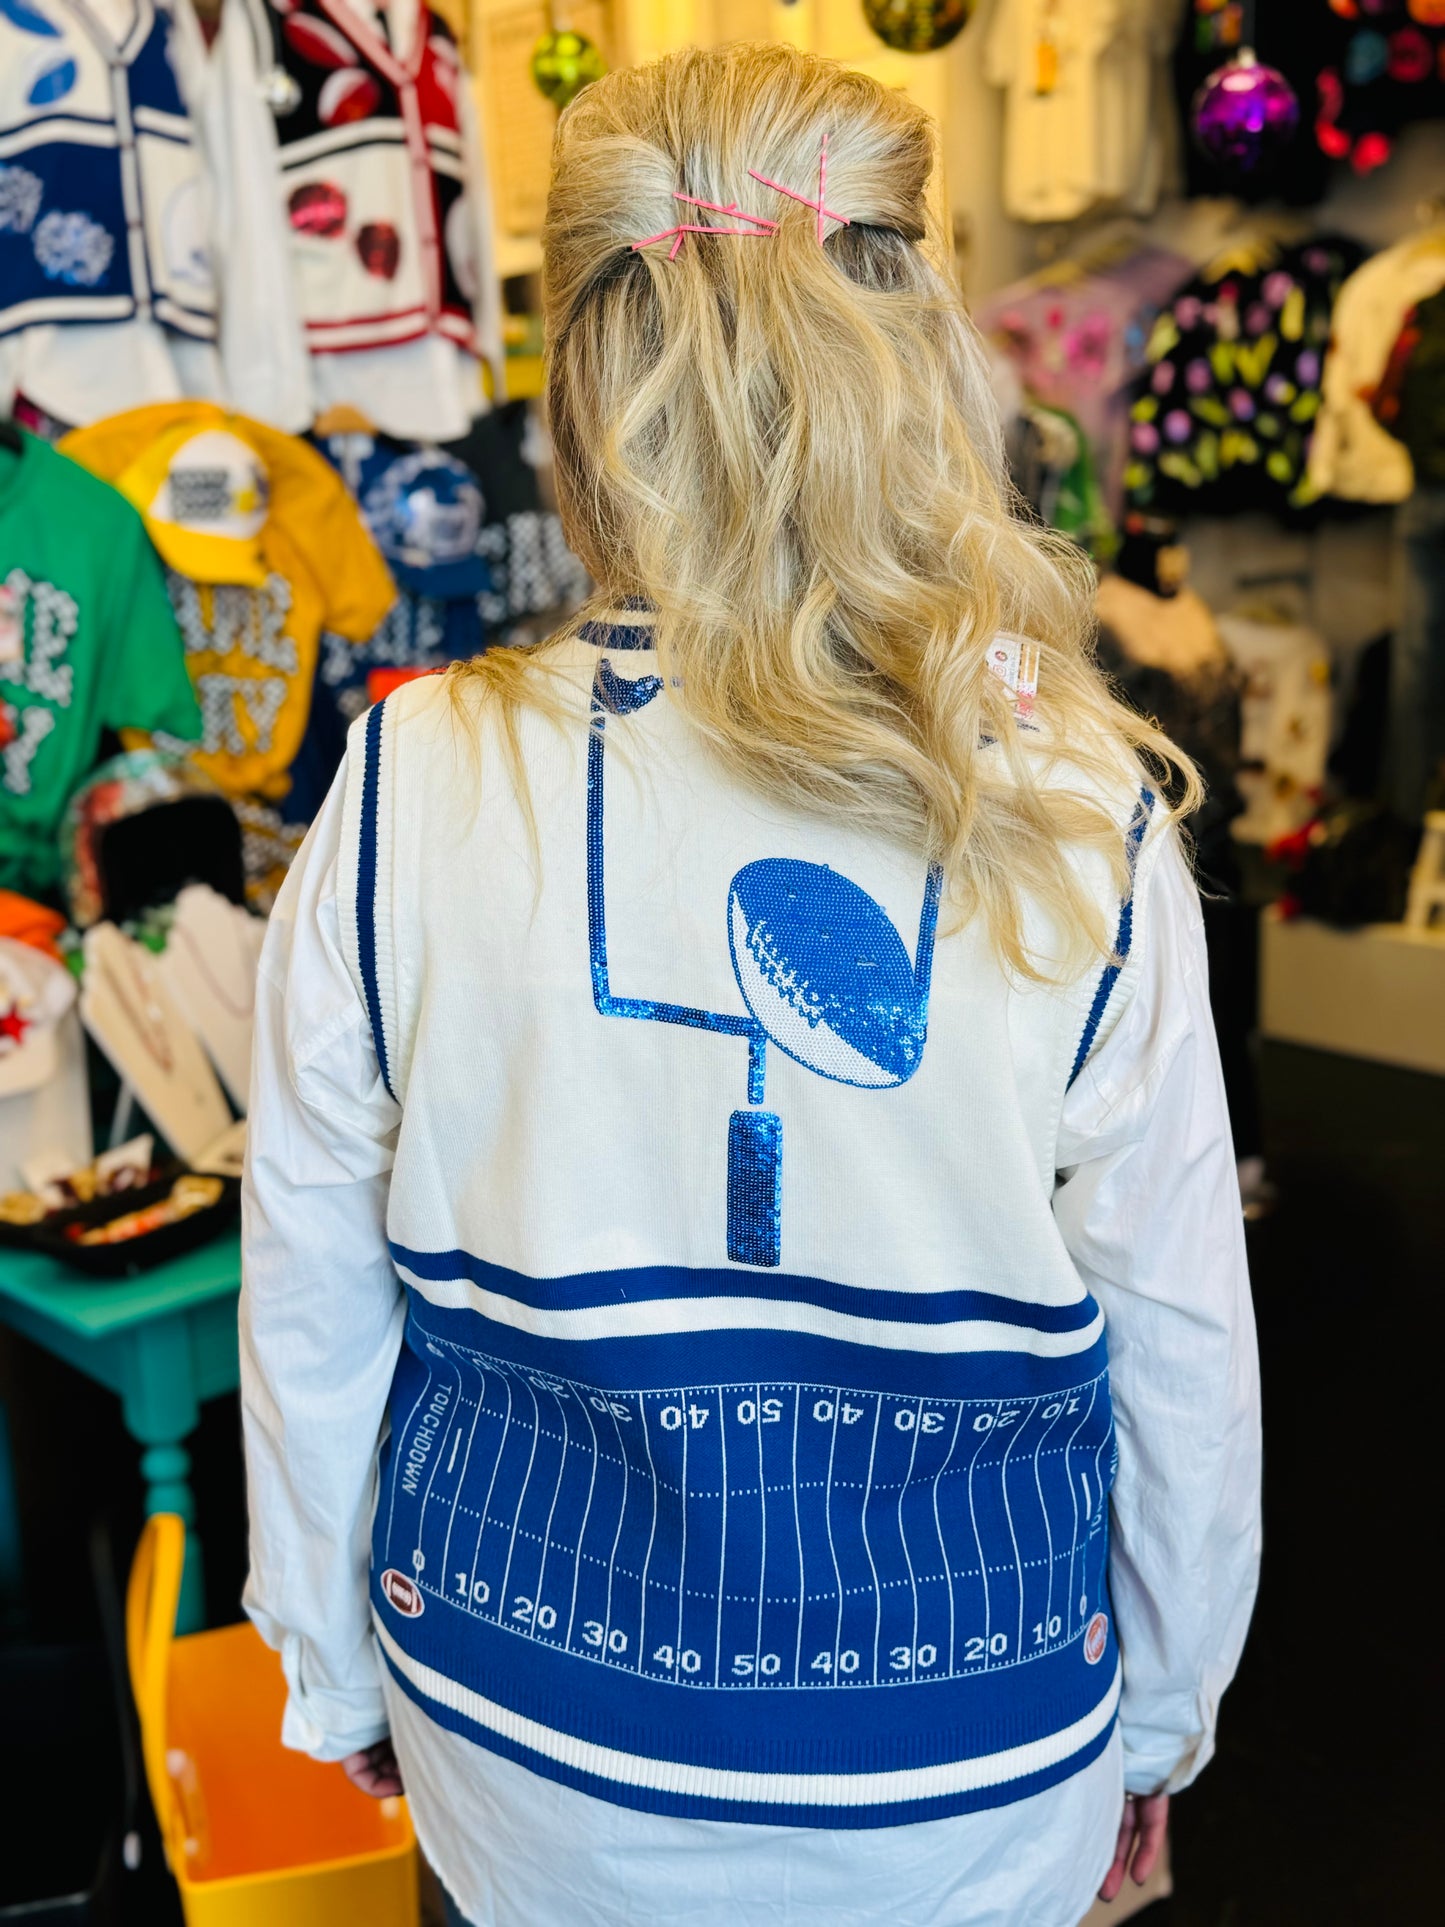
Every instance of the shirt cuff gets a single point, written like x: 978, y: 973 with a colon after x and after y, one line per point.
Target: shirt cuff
x: 1155, y: 1762
x: 303, y: 1732
x: 328, y: 1723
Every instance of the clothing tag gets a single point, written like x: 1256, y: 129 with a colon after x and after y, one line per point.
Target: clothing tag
x: 1015, y: 661
x: 1046, y: 64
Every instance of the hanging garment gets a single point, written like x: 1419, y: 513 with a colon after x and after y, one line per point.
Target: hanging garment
x: 360, y: 220
x: 1053, y: 469
x: 87, y: 643
x: 1286, y: 713
x: 1410, y: 400
x: 1165, y: 657
x: 1078, y: 341
x: 1086, y: 121
x: 371, y: 174
x: 1415, y: 760
x: 1224, y: 418
x: 533, y: 572
x: 1051, y: 161
x: 264, y: 548
x: 104, y: 211
x: 424, y: 511
x: 1352, y: 455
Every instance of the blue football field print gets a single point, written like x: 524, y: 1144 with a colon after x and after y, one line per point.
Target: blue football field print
x: 822, y: 970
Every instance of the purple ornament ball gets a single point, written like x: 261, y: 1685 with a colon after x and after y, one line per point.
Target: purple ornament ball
x: 1244, y: 114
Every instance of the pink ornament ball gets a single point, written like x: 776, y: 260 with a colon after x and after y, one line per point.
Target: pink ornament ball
x: 1244, y: 114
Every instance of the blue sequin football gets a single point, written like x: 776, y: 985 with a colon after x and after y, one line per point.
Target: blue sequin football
x: 825, y: 973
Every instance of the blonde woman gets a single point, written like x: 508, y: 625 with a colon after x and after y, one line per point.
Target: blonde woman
x: 749, y: 1380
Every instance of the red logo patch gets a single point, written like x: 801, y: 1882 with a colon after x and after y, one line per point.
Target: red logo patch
x: 404, y: 1595
x: 1096, y: 1635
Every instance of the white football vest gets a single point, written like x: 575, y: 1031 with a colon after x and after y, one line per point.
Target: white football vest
x: 751, y: 1444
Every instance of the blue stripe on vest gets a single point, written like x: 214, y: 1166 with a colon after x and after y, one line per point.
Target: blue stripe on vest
x: 757, y: 1813
x: 759, y: 1351
x: 640, y: 1283
x: 366, y: 889
x: 1123, y: 941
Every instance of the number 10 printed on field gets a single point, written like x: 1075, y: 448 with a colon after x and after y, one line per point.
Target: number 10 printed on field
x: 752, y: 1535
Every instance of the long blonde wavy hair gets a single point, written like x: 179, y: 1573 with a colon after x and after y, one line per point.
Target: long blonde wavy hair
x: 793, y: 453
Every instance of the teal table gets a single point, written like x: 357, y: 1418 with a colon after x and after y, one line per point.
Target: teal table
x: 161, y: 1342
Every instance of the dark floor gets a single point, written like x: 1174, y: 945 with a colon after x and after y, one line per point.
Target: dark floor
x: 1324, y: 1806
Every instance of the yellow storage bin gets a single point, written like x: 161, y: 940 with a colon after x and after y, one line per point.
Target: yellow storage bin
x: 256, y: 1836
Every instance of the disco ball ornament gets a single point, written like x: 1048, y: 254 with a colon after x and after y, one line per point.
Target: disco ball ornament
x: 917, y: 26
x: 1244, y: 114
x: 563, y: 64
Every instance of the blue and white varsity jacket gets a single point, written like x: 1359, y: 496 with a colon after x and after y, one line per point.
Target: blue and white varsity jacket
x: 750, y: 1440
x: 103, y: 213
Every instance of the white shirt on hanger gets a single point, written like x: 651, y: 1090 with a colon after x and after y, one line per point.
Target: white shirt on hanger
x: 1351, y: 455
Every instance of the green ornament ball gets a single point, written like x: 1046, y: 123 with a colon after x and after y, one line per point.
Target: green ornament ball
x: 918, y: 26
x: 563, y: 64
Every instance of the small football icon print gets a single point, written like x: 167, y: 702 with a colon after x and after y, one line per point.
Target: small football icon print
x: 403, y: 1595
x: 1096, y: 1636
x: 379, y: 247
x: 347, y: 95
x: 317, y: 208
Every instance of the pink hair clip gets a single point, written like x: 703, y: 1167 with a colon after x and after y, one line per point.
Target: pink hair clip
x: 760, y: 226
x: 684, y: 228
x: 823, y: 212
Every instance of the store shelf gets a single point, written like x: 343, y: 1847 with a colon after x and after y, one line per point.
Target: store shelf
x: 30, y: 1281
x: 1377, y: 992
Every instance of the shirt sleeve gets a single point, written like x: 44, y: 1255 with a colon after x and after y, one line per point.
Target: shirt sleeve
x: 146, y: 685
x: 1148, y: 1205
x: 321, y: 1310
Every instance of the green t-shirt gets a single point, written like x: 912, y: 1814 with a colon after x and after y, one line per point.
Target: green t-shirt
x: 87, y: 643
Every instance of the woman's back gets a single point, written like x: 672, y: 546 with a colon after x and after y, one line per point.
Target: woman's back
x: 721, y: 1072
x: 743, y: 1351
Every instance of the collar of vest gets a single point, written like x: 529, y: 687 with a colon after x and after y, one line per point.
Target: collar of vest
x: 132, y: 38
x: 626, y: 625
